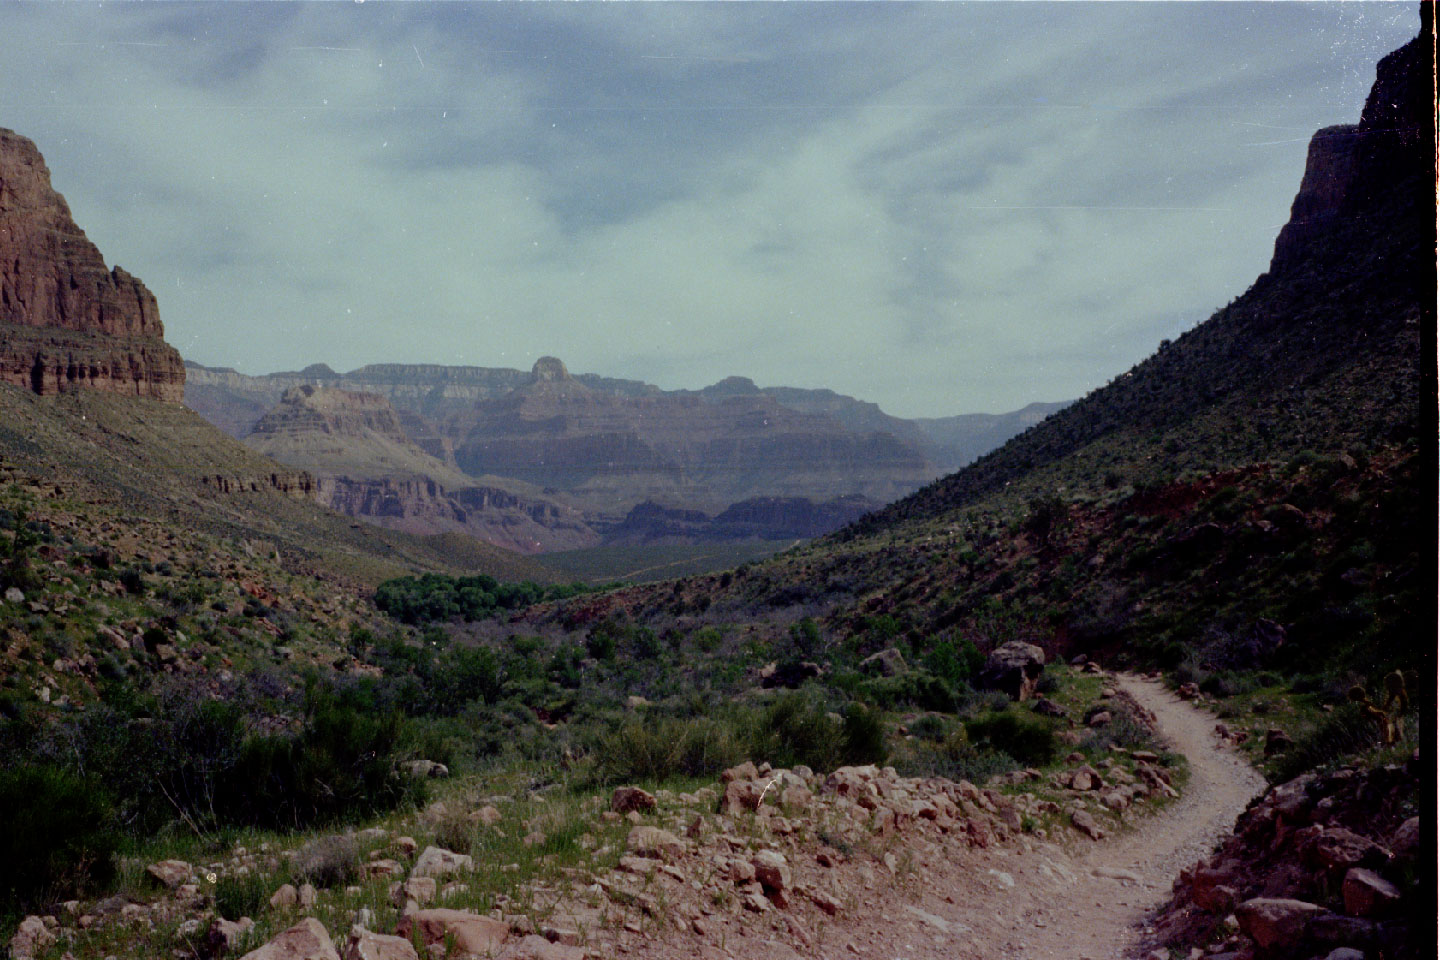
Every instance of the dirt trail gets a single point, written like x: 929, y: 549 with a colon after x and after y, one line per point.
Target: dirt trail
x: 1093, y: 905
x: 1087, y: 901
x: 1030, y: 899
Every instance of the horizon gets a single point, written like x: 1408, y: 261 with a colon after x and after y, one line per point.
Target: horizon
x: 940, y: 209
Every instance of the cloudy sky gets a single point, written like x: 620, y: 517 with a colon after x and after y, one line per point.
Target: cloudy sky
x: 940, y: 207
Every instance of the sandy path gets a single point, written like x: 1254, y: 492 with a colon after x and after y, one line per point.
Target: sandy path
x: 1086, y: 905
x: 1032, y: 899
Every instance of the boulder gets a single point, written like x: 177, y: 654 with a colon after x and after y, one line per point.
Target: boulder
x: 1275, y: 922
x: 538, y: 948
x: 284, y: 896
x: 741, y: 796
x: 225, y: 935
x: 771, y: 870
x: 419, y: 889
x: 470, y: 932
x: 625, y: 799
x: 364, y: 945
x: 887, y: 663
x: 31, y: 937
x: 487, y: 815
x: 307, y: 940
x: 1048, y: 708
x: 1013, y: 667
x: 439, y: 862
x: 654, y: 842
x: 1085, y: 823
x: 744, y: 771
x: 1367, y: 893
x: 170, y: 873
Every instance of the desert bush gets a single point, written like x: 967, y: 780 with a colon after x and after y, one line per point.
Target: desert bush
x: 862, y: 737
x: 57, y: 835
x: 1031, y: 741
x: 1341, y: 734
x: 327, y: 862
x: 243, y: 896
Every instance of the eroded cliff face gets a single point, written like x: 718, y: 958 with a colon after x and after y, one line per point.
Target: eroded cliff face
x: 65, y: 318
x: 614, y: 451
x: 1355, y: 173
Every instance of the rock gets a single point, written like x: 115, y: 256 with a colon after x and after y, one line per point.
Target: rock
x: 887, y: 663
x: 1048, y: 708
x: 70, y: 320
x: 31, y: 937
x: 1085, y: 823
x: 470, y: 932
x: 741, y: 796
x: 1405, y: 841
x: 14, y: 595
x: 1013, y: 667
x: 827, y: 904
x: 1100, y: 719
x: 306, y: 896
x: 625, y: 799
x: 744, y: 771
x: 405, y: 846
x: 655, y: 843
x: 364, y: 945
x: 284, y: 896
x: 1274, y: 922
x: 423, y: 769
x: 307, y: 940
x: 771, y: 870
x: 538, y: 948
x: 1367, y: 894
x: 225, y: 935
x: 419, y: 889
x: 1277, y: 741
x: 438, y: 862
x: 487, y: 815
x: 382, y: 868
x: 170, y: 873
x: 1345, y: 953
x: 1336, y: 849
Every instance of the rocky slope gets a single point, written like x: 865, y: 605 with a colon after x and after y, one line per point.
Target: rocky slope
x: 760, y: 518
x: 66, y: 319
x: 367, y: 467
x: 1327, y: 348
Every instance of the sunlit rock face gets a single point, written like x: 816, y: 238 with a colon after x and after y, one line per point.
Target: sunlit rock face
x: 65, y: 318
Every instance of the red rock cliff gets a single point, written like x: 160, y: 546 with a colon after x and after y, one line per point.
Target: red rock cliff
x: 65, y: 319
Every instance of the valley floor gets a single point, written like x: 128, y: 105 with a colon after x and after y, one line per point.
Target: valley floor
x: 1033, y: 900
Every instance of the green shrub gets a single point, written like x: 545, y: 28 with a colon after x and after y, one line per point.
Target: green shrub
x: 862, y: 737
x: 328, y: 862
x: 243, y: 896
x: 1031, y: 741
x: 57, y: 835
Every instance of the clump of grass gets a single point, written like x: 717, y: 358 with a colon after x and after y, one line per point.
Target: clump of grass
x: 243, y: 896
x: 328, y: 862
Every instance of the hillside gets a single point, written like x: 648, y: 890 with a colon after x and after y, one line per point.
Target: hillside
x: 1326, y: 349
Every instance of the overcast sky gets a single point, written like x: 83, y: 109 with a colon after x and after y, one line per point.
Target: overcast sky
x: 943, y: 208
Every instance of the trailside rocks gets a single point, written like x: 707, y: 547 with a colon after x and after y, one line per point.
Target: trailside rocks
x: 471, y: 933
x: 307, y: 940
x: 438, y: 862
x: 1318, y: 863
x: 1015, y: 668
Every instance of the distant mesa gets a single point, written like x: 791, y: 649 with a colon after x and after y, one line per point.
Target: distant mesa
x: 65, y: 318
x: 549, y: 368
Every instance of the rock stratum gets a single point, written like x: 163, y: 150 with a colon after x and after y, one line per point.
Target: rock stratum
x: 65, y: 318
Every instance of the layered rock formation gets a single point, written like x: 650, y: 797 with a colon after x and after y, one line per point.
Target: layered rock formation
x: 366, y: 467
x: 759, y: 518
x: 612, y: 450
x: 65, y: 318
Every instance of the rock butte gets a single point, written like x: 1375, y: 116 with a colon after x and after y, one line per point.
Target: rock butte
x: 65, y: 318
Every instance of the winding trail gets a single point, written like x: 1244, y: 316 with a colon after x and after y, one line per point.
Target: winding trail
x: 1088, y: 906
x: 1066, y: 898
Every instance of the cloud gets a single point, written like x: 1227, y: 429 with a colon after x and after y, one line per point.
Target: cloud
x: 939, y: 207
